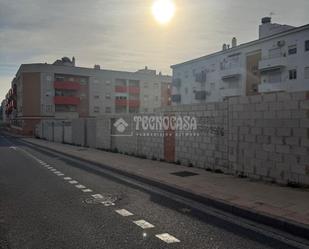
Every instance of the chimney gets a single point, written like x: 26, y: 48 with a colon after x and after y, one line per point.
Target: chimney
x: 73, y: 61
x: 234, y: 42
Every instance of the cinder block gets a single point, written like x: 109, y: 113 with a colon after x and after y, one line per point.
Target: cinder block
x: 260, y: 154
x: 262, y: 107
x: 256, y: 99
x: 304, y: 105
x: 284, y: 96
x: 269, y: 97
x: 291, y: 123
x: 283, y: 114
x: 277, y: 140
x: 292, y: 140
x: 304, y: 123
x: 269, y: 131
x: 301, y: 132
x: 256, y: 131
x: 269, y: 147
x: 284, y: 149
x: 284, y: 132
x: 300, y: 150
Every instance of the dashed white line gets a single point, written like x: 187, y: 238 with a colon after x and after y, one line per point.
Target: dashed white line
x: 60, y: 174
x: 97, y: 196
x: 167, y: 238
x: 87, y: 190
x: 52, y: 169
x: 67, y: 178
x: 143, y: 224
x: 124, y: 212
x: 73, y: 182
x: 79, y: 186
x: 57, y: 172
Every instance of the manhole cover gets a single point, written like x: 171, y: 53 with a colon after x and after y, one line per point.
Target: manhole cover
x: 184, y: 174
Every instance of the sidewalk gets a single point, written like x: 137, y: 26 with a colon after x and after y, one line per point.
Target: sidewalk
x: 275, y: 201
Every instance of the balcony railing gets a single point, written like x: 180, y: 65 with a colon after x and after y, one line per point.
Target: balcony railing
x: 66, y: 85
x: 134, y: 103
x: 66, y: 100
x: 120, y: 89
x: 272, y: 63
x: 231, y: 73
x: 121, y: 102
x: 230, y: 92
x: 134, y: 90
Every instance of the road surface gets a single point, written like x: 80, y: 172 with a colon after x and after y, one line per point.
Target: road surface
x: 48, y: 201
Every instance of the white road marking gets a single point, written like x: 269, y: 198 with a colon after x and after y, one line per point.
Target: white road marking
x: 52, y: 169
x: 124, y: 212
x: 87, y: 190
x: 57, y: 172
x: 97, y: 196
x: 67, y: 178
x: 73, y: 182
x: 108, y: 203
x: 80, y: 186
x: 143, y: 224
x: 60, y: 174
x: 13, y: 148
x: 169, y: 239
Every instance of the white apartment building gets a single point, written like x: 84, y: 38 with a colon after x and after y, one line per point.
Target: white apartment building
x: 277, y: 61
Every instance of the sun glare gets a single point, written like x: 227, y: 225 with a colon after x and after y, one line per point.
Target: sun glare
x: 163, y: 10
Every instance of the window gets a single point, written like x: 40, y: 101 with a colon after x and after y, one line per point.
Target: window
x: 156, y: 98
x: 145, y: 97
x: 292, y: 49
x: 108, y: 96
x: 293, y: 74
x: 96, y: 96
x: 306, y: 72
x: 96, y: 109
x: 307, y: 45
x: 108, y: 109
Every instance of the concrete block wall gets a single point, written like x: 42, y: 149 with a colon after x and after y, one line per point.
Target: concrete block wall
x: 268, y: 137
x: 209, y: 148
x: 263, y: 137
x: 78, y: 132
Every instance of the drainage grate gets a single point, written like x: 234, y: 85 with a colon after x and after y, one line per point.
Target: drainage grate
x: 184, y: 174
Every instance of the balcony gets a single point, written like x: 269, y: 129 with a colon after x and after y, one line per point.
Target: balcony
x: 230, y: 92
x: 231, y: 73
x: 120, y: 89
x: 120, y: 102
x: 134, y: 90
x: 200, y: 95
x: 272, y: 64
x: 66, y: 100
x: 66, y: 85
x: 134, y: 103
x: 176, y: 98
x: 272, y: 87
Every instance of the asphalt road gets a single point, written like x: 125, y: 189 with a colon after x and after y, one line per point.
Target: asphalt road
x: 41, y: 208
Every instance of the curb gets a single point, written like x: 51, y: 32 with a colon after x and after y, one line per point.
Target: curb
x: 284, y: 225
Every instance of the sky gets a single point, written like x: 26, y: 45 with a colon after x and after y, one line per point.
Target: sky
x: 123, y: 35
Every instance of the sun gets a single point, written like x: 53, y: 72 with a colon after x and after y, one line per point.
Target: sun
x: 163, y: 11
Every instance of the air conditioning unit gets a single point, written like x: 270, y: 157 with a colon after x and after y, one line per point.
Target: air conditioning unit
x: 280, y: 43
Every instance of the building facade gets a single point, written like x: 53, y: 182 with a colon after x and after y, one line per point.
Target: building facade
x: 277, y: 61
x: 63, y: 91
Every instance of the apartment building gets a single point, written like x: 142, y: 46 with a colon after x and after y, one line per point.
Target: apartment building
x: 64, y: 91
x: 277, y: 61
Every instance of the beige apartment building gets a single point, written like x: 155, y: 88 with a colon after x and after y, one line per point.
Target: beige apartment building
x: 64, y: 91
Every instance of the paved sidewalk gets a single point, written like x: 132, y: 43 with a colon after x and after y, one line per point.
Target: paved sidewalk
x: 268, y: 199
